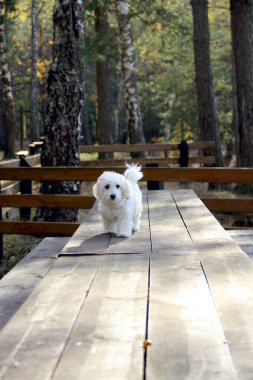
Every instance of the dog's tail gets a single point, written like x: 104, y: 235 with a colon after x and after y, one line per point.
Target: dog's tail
x: 133, y: 173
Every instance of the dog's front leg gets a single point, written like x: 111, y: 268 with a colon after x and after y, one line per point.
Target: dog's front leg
x: 124, y: 227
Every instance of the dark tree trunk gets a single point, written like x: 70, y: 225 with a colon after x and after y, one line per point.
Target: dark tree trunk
x: 135, y: 129
x: 65, y: 102
x: 34, y: 126
x: 207, y: 114
x: 242, y: 42
x: 7, y: 96
x: 105, y: 120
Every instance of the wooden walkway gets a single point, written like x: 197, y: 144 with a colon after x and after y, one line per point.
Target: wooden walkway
x: 175, y: 301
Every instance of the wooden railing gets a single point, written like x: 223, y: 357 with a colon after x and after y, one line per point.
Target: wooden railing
x: 213, y: 175
x: 181, y: 153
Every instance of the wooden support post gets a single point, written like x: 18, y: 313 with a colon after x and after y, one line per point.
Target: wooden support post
x: 21, y: 129
x: 154, y: 185
x: 25, y: 188
x: 184, y: 154
x: 184, y: 159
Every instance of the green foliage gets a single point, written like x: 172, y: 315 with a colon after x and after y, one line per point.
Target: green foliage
x: 162, y: 36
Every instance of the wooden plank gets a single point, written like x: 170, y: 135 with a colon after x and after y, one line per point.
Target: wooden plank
x: 128, y: 148
x: 144, y: 161
x: 243, y: 238
x: 229, y: 205
x: 195, y: 214
x: 165, y: 222
x: 31, y: 344
x: 217, y: 175
x: 229, y: 273
x: 143, y: 147
x: 187, y: 340
x: 17, y: 284
x: 41, y: 200
x: 89, y: 238
x: 107, y: 339
x: 38, y: 228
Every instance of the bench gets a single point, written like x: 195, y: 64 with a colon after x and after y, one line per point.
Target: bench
x: 173, y: 301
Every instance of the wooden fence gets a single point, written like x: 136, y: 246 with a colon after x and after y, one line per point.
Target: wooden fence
x: 178, y: 153
x: 214, y: 175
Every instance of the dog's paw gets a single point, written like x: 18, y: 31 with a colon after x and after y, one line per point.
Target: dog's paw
x: 124, y: 234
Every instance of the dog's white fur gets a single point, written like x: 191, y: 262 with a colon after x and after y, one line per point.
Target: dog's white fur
x: 120, y: 200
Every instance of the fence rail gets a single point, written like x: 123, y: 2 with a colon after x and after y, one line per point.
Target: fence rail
x: 213, y: 175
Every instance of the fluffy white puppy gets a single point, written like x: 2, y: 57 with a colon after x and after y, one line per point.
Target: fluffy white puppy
x: 120, y: 200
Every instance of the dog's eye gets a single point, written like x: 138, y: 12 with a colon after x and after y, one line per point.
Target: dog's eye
x: 118, y: 186
x: 107, y: 187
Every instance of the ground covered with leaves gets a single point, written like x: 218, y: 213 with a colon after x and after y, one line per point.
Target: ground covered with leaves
x: 15, y: 248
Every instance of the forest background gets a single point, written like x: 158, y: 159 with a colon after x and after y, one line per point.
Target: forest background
x: 162, y: 36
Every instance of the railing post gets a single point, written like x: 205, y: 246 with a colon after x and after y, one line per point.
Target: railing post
x: 184, y: 154
x: 25, y: 188
x: 184, y: 159
x: 154, y: 185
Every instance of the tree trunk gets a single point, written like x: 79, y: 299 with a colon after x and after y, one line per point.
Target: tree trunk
x: 105, y: 120
x: 135, y: 129
x: 34, y: 125
x: 242, y: 37
x: 207, y: 114
x: 5, y: 75
x: 65, y: 102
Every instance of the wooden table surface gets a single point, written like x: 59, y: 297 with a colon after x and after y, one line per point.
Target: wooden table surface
x: 174, y: 301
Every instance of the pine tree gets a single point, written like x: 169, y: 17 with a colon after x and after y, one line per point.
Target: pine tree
x: 242, y: 37
x: 65, y: 102
x: 207, y: 113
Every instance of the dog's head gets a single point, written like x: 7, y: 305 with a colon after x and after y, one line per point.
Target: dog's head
x: 111, y: 187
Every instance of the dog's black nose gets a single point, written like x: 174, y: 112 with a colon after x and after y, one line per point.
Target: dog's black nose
x: 113, y: 196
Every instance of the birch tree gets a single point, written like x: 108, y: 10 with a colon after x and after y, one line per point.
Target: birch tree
x: 135, y: 129
x: 105, y: 121
x: 34, y: 125
x: 242, y: 43
x: 207, y: 113
x: 65, y: 102
x: 7, y: 95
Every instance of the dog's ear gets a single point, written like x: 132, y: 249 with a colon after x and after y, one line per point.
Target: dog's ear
x: 126, y: 189
x: 96, y: 192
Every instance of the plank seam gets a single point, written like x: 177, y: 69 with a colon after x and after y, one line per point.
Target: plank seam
x: 74, y: 322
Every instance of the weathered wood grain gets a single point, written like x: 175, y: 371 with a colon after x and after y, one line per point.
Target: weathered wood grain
x: 107, y: 339
x: 229, y: 274
x: 42, y: 200
x: 89, y: 238
x: 244, y: 239
x: 187, y: 341
x: 216, y: 175
x: 32, y: 342
x: 38, y: 228
x: 169, y: 235
x: 17, y: 285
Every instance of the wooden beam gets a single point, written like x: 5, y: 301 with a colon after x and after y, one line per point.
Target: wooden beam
x: 39, y: 200
x: 162, y: 161
x: 38, y: 228
x: 216, y: 175
x: 143, y: 147
x: 229, y: 205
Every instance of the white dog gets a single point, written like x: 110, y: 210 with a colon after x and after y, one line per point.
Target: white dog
x: 120, y: 200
